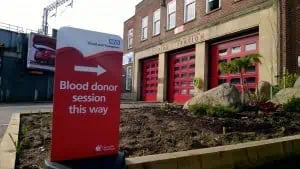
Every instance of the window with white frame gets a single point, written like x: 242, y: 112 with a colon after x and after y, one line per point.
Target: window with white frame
x: 189, y: 10
x: 156, y: 22
x: 171, y: 20
x: 212, y: 5
x: 128, y: 78
x: 144, y: 28
x: 130, y: 38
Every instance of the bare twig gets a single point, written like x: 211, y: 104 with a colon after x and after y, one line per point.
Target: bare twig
x: 15, y: 144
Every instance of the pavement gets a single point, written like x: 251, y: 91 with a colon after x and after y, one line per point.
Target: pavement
x: 6, y: 110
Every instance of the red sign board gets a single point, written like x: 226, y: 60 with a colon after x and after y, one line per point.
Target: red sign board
x: 87, y: 95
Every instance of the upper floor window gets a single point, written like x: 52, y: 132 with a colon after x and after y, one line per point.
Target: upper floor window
x: 144, y: 28
x: 212, y: 5
x: 189, y: 10
x: 130, y: 38
x: 171, y: 20
x: 156, y: 22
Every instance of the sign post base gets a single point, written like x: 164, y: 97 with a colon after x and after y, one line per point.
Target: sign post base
x: 106, y: 162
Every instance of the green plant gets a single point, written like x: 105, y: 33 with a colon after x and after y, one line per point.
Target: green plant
x: 239, y: 66
x: 293, y: 105
x: 23, y: 142
x: 254, y: 100
x: 275, y: 89
x: 199, y: 109
x: 221, y: 111
x: 198, y: 83
x: 168, y: 107
x: 288, y: 80
x: 25, y: 129
x: 213, y: 111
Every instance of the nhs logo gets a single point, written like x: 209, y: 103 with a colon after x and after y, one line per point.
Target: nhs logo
x: 114, y: 42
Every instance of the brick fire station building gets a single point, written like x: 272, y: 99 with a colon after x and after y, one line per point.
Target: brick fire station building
x: 176, y: 41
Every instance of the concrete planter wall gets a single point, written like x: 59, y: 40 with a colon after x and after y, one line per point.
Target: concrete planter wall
x: 8, y: 149
x: 246, y: 155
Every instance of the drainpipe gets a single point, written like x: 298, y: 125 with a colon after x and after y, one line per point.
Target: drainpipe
x: 36, y: 95
x: 1, y: 95
x: 7, y: 94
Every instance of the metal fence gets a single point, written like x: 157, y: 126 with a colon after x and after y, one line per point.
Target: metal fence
x: 15, y: 28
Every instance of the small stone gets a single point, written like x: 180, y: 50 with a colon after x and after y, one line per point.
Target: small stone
x: 224, y: 130
x: 180, y: 144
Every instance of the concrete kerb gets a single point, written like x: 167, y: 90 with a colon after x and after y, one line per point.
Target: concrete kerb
x: 245, y: 155
x: 8, y: 146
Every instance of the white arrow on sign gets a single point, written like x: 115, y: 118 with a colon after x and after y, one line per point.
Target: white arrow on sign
x: 99, y: 70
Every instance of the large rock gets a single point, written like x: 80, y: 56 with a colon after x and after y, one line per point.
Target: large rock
x: 225, y: 94
x: 264, y: 90
x: 297, y: 83
x: 284, y: 95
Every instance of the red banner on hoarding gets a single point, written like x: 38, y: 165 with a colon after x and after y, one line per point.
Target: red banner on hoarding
x: 87, y: 95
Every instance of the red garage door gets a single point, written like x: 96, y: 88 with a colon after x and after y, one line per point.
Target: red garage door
x: 228, y: 51
x: 149, y: 79
x: 181, y: 76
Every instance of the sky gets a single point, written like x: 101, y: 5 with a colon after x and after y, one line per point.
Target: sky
x: 97, y: 15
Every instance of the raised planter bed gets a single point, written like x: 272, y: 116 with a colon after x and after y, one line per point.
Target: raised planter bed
x: 152, y: 131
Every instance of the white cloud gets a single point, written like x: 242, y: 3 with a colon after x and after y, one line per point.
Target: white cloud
x: 98, y: 15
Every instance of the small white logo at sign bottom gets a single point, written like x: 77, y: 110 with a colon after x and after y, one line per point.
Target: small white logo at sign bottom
x: 99, y: 148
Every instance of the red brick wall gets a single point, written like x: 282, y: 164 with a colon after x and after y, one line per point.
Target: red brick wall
x: 290, y: 34
x: 283, y: 36
x: 297, y: 31
x: 147, y: 7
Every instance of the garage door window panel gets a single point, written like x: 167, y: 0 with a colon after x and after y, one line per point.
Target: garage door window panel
x: 251, y: 69
x: 236, y: 50
x: 250, y: 47
x: 223, y: 52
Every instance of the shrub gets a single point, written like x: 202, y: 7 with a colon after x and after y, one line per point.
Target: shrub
x: 255, y: 99
x: 169, y: 107
x: 221, y: 111
x: 214, y: 111
x: 276, y: 89
x: 199, y: 109
x: 288, y: 80
x: 292, y: 105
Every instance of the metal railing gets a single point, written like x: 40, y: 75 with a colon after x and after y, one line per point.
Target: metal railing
x: 15, y: 28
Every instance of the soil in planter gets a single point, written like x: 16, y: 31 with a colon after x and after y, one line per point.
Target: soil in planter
x: 147, y: 131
